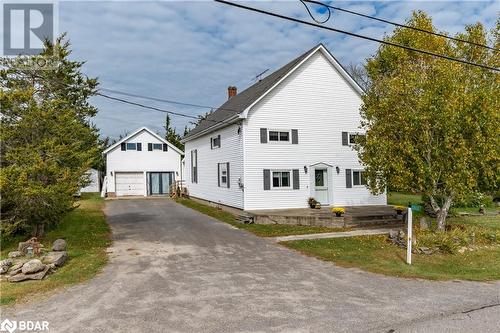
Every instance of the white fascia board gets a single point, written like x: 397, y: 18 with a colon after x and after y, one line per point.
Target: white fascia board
x: 171, y: 145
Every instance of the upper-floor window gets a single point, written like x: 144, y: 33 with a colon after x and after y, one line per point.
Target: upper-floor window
x: 157, y: 146
x: 358, y: 178
x: 131, y: 146
x: 215, y: 142
x: 279, y: 136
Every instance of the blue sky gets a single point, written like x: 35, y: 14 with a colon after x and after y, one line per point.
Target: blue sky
x: 191, y: 51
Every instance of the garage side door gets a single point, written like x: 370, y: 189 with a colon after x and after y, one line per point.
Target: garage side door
x: 129, y: 183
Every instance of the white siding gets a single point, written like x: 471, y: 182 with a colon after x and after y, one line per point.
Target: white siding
x: 231, y: 151
x: 316, y: 100
x: 141, y: 161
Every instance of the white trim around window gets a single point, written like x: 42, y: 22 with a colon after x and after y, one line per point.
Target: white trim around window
x: 223, y: 174
x: 279, y: 136
x: 157, y: 146
x: 131, y: 146
x: 281, y: 179
x: 358, y: 178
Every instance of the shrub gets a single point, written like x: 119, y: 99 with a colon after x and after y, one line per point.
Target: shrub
x: 455, y: 237
x: 475, y: 199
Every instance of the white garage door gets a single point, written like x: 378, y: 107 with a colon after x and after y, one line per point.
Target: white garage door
x: 129, y: 183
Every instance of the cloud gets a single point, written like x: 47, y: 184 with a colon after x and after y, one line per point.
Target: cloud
x: 191, y: 51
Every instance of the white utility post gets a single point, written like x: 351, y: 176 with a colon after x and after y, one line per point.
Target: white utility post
x: 409, y: 217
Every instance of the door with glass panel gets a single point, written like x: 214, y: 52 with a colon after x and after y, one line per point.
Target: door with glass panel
x: 321, y: 185
x: 159, y: 182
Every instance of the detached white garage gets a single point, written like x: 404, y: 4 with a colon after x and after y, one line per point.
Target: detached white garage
x: 142, y: 163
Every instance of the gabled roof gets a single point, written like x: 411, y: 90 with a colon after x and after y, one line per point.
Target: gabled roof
x: 171, y: 145
x: 234, y: 106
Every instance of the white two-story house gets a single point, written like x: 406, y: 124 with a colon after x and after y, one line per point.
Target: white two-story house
x: 286, y: 138
x: 142, y: 163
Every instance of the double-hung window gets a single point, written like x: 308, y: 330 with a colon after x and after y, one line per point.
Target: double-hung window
x: 131, y: 146
x: 279, y: 136
x: 281, y: 179
x: 223, y: 174
x: 358, y: 178
x: 157, y: 146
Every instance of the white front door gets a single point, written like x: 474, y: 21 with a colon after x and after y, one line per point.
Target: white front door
x: 321, y: 186
x: 129, y: 183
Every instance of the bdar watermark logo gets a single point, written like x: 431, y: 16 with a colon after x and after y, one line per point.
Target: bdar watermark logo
x: 8, y: 326
x: 12, y: 326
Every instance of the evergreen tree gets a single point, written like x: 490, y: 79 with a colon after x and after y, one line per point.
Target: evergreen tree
x: 171, y: 134
x: 48, y: 141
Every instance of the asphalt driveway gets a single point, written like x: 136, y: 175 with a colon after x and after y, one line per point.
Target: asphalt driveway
x: 175, y: 270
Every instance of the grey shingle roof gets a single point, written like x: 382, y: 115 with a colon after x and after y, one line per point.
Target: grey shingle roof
x: 244, y: 99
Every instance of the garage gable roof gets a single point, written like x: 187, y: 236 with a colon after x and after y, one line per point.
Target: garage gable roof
x: 116, y: 144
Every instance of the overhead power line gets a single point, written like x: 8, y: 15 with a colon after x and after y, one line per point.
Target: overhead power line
x: 261, y: 11
x: 166, y: 100
x: 149, y: 107
x: 388, y: 22
x: 154, y: 108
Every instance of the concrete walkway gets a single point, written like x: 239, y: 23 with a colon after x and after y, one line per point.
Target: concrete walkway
x: 353, y: 233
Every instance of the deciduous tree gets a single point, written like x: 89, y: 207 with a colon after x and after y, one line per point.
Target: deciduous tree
x: 432, y: 124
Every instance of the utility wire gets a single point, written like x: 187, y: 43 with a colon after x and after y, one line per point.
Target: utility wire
x: 261, y: 11
x: 388, y: 22
x: 167, y: 100
x: 175, y: 113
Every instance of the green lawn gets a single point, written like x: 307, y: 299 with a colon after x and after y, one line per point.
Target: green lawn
x: 375, y: 254
x: 87, y: 235
x: 492, y: 222
x: 402, y: 199
x: 273, y: 230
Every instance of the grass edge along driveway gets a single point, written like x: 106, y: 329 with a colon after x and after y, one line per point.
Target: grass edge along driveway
x: 375, y: 254
x: 262, y: 230
x: 87, y: 235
